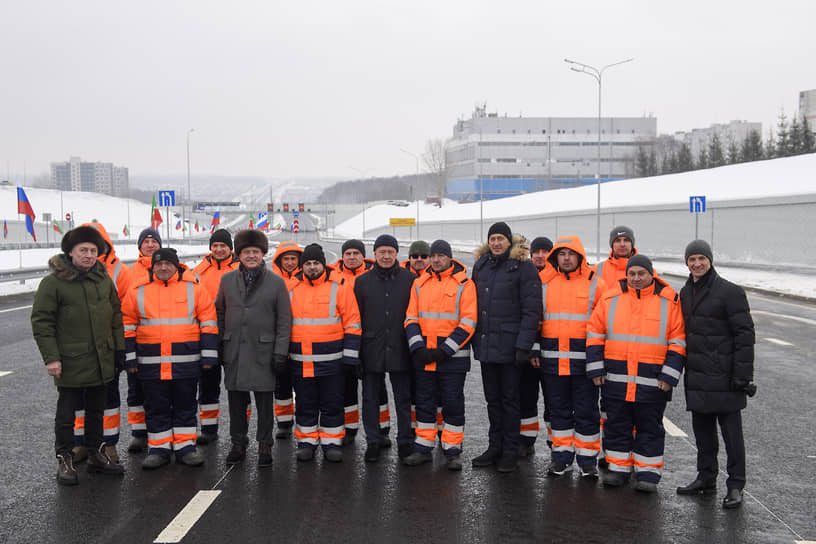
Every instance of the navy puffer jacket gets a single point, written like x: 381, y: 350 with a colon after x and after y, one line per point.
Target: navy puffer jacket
x: 508, y: 291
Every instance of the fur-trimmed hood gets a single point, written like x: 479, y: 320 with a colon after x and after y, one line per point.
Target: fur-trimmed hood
x: 519, y: 249
x: 62, y: 268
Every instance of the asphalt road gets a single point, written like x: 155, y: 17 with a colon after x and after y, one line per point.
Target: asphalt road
x: 358, y: 502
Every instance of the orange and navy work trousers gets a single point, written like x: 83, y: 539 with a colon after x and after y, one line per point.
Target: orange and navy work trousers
x: 170, y: 416
x: 319, y: 411
x: 431, y: 388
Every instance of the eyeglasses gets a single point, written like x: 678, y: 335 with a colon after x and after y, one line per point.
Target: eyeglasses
x: 417, y: 256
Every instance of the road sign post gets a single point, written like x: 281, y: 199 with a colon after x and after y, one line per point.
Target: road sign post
x: 697, y: 205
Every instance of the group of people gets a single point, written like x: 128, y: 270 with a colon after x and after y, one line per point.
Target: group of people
x: 606, y: 344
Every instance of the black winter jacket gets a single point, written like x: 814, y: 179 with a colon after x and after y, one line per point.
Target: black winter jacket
x: 508, y: 291
x: 719, y: 343
x: 383, y: 296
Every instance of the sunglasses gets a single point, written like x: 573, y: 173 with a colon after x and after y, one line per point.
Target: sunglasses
x: 417, y: 256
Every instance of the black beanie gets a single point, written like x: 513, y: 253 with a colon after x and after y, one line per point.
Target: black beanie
x: 148, y: 233
x: 165, y: 254
x: 386, y: 240
x: 441, y: 247
x: 500, y: 228
x: 699, y: 247
x: 80, y: 235
x: 312, y: 252
x: 221, y: 235
x: 621, y: 230
x: 640, y: 260
x: 353, y: 244
x: 542, y: 242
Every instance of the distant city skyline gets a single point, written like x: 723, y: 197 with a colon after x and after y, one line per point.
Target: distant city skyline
x: 326, y: 89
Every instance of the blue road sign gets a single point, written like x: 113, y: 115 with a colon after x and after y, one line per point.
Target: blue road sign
x: 167, y: 198
x: 295, y: 213
x: 697, y: 204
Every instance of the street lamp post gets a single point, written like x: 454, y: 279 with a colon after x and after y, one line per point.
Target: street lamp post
x: 416, y: 158
x: 189, y: 193
x: 597, y: 74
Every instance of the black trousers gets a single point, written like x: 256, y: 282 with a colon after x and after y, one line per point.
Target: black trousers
x: 239, y: 424
x: 705, y: 434
x: 67, y: 401
x: 373, y: 383
x: 501, y: 382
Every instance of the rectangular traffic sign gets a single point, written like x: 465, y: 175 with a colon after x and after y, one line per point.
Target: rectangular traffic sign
x: 167, y: 198
x: 295, y: 213
x: 697, y: 204
x: 402, y: 222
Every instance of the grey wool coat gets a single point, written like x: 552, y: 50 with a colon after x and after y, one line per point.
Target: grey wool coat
x: 253, y: 326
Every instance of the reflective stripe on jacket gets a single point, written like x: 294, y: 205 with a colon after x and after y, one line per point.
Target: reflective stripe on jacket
x: 171, y: 328
x: 442, y: 314
x: 210, y: 271
x: 637, y: 337
x: 325, y: 326
x: 568, y: 299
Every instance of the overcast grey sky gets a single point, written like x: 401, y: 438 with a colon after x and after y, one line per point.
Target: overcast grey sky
x: 307, y: 88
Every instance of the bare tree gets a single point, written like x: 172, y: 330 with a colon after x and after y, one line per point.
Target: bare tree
x: 436, y: 164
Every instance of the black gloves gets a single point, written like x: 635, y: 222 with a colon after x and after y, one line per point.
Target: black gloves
x: 439, y: 355
x: 119, y: 360
x: 279, y: 366
x: 422, y: 357
x: 523, y: 356
x: 743, y: 385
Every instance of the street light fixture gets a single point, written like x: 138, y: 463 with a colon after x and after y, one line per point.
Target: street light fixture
x: 416, y: 158
x: 597, y: 74
x: 189, y: 193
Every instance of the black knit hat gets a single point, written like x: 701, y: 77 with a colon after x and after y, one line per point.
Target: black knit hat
x: 699, y: 247
x: 500, y: 228
x: 441, y: 247
x: 386, y: 240
x: 80, y: 235
x: 313, y: 252
x: 221, y: 235
x: 353, y: 244
x: 640, y: 260
x: 165, y: 254
x: 148, y: 233
x: 251, y: 238
x: 621, y: 230
x: 542, y: 242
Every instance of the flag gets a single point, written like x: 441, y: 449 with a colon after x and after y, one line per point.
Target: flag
x: 125, y: 231
x: 263, y: 223
x: 155, y: 215
x: 178, y: 224
x: 216, y: 221
x: 24, y: 207
x: 251, y: 224
x: 196, y: 225
x: 5, y: 229
x: 57, y: 227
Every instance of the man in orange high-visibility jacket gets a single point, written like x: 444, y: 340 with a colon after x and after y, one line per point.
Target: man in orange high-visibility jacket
x: 439, y: 323
x: 352, y: 265
x: 532, y: 378
x: 120, y: 274
x: 171, y: 332
x: 148, y: 242
x: 325, y: 337
x: 636, y: 350
x: 209, y: 273
x: 286, y: 264
x: 568, y: 300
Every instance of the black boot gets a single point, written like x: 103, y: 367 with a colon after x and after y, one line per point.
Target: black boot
x: 733, y: 499
x: 98, y: 461
x: 66, y: 473
x: 698, y: 487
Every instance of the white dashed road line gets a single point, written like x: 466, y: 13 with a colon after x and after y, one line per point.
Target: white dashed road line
x: 783, y: 316
x: 673, y: 429
x: 778, y: 342
x: 14, y: 309
x: 185, y: 519
x: 4, y: 373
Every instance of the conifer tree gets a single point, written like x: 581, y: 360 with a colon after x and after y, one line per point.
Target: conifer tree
x: 808, y: 143
x: 652, y: 170
x: 702, y: 159
x: 715, y: 152
x: 782, y: 136
x: 733, y: 151
x: 684, y: 160
x: 795, y: 146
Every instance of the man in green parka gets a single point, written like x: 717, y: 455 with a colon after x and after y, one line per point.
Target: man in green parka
x: 77, y: 324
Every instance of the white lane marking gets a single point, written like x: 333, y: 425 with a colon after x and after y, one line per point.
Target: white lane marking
x: 14, y: 309
x: 781, y: 301
x: 783, y: 316
x: 805, y: 541
x: 672, y: 429
x: 778, y: 342
x: 184, y: 521
x: 4, y: 373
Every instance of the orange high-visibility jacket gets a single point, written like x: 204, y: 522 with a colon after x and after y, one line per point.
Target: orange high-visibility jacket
x: 210, y: 271
x: 442, y: 314
x: 635, y: 338
x: 117, y: 270
x: 568, y: 300
x: 286, y: 247
x: 613, y: 269
x: 171, y: 328
x: 325, y: 325
x: 350, y: 276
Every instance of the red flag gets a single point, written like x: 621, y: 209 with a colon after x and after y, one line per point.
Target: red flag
x: 156, y: 220
x: 5, y: 229
x: 125, y: 231
x: 24, y: 207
